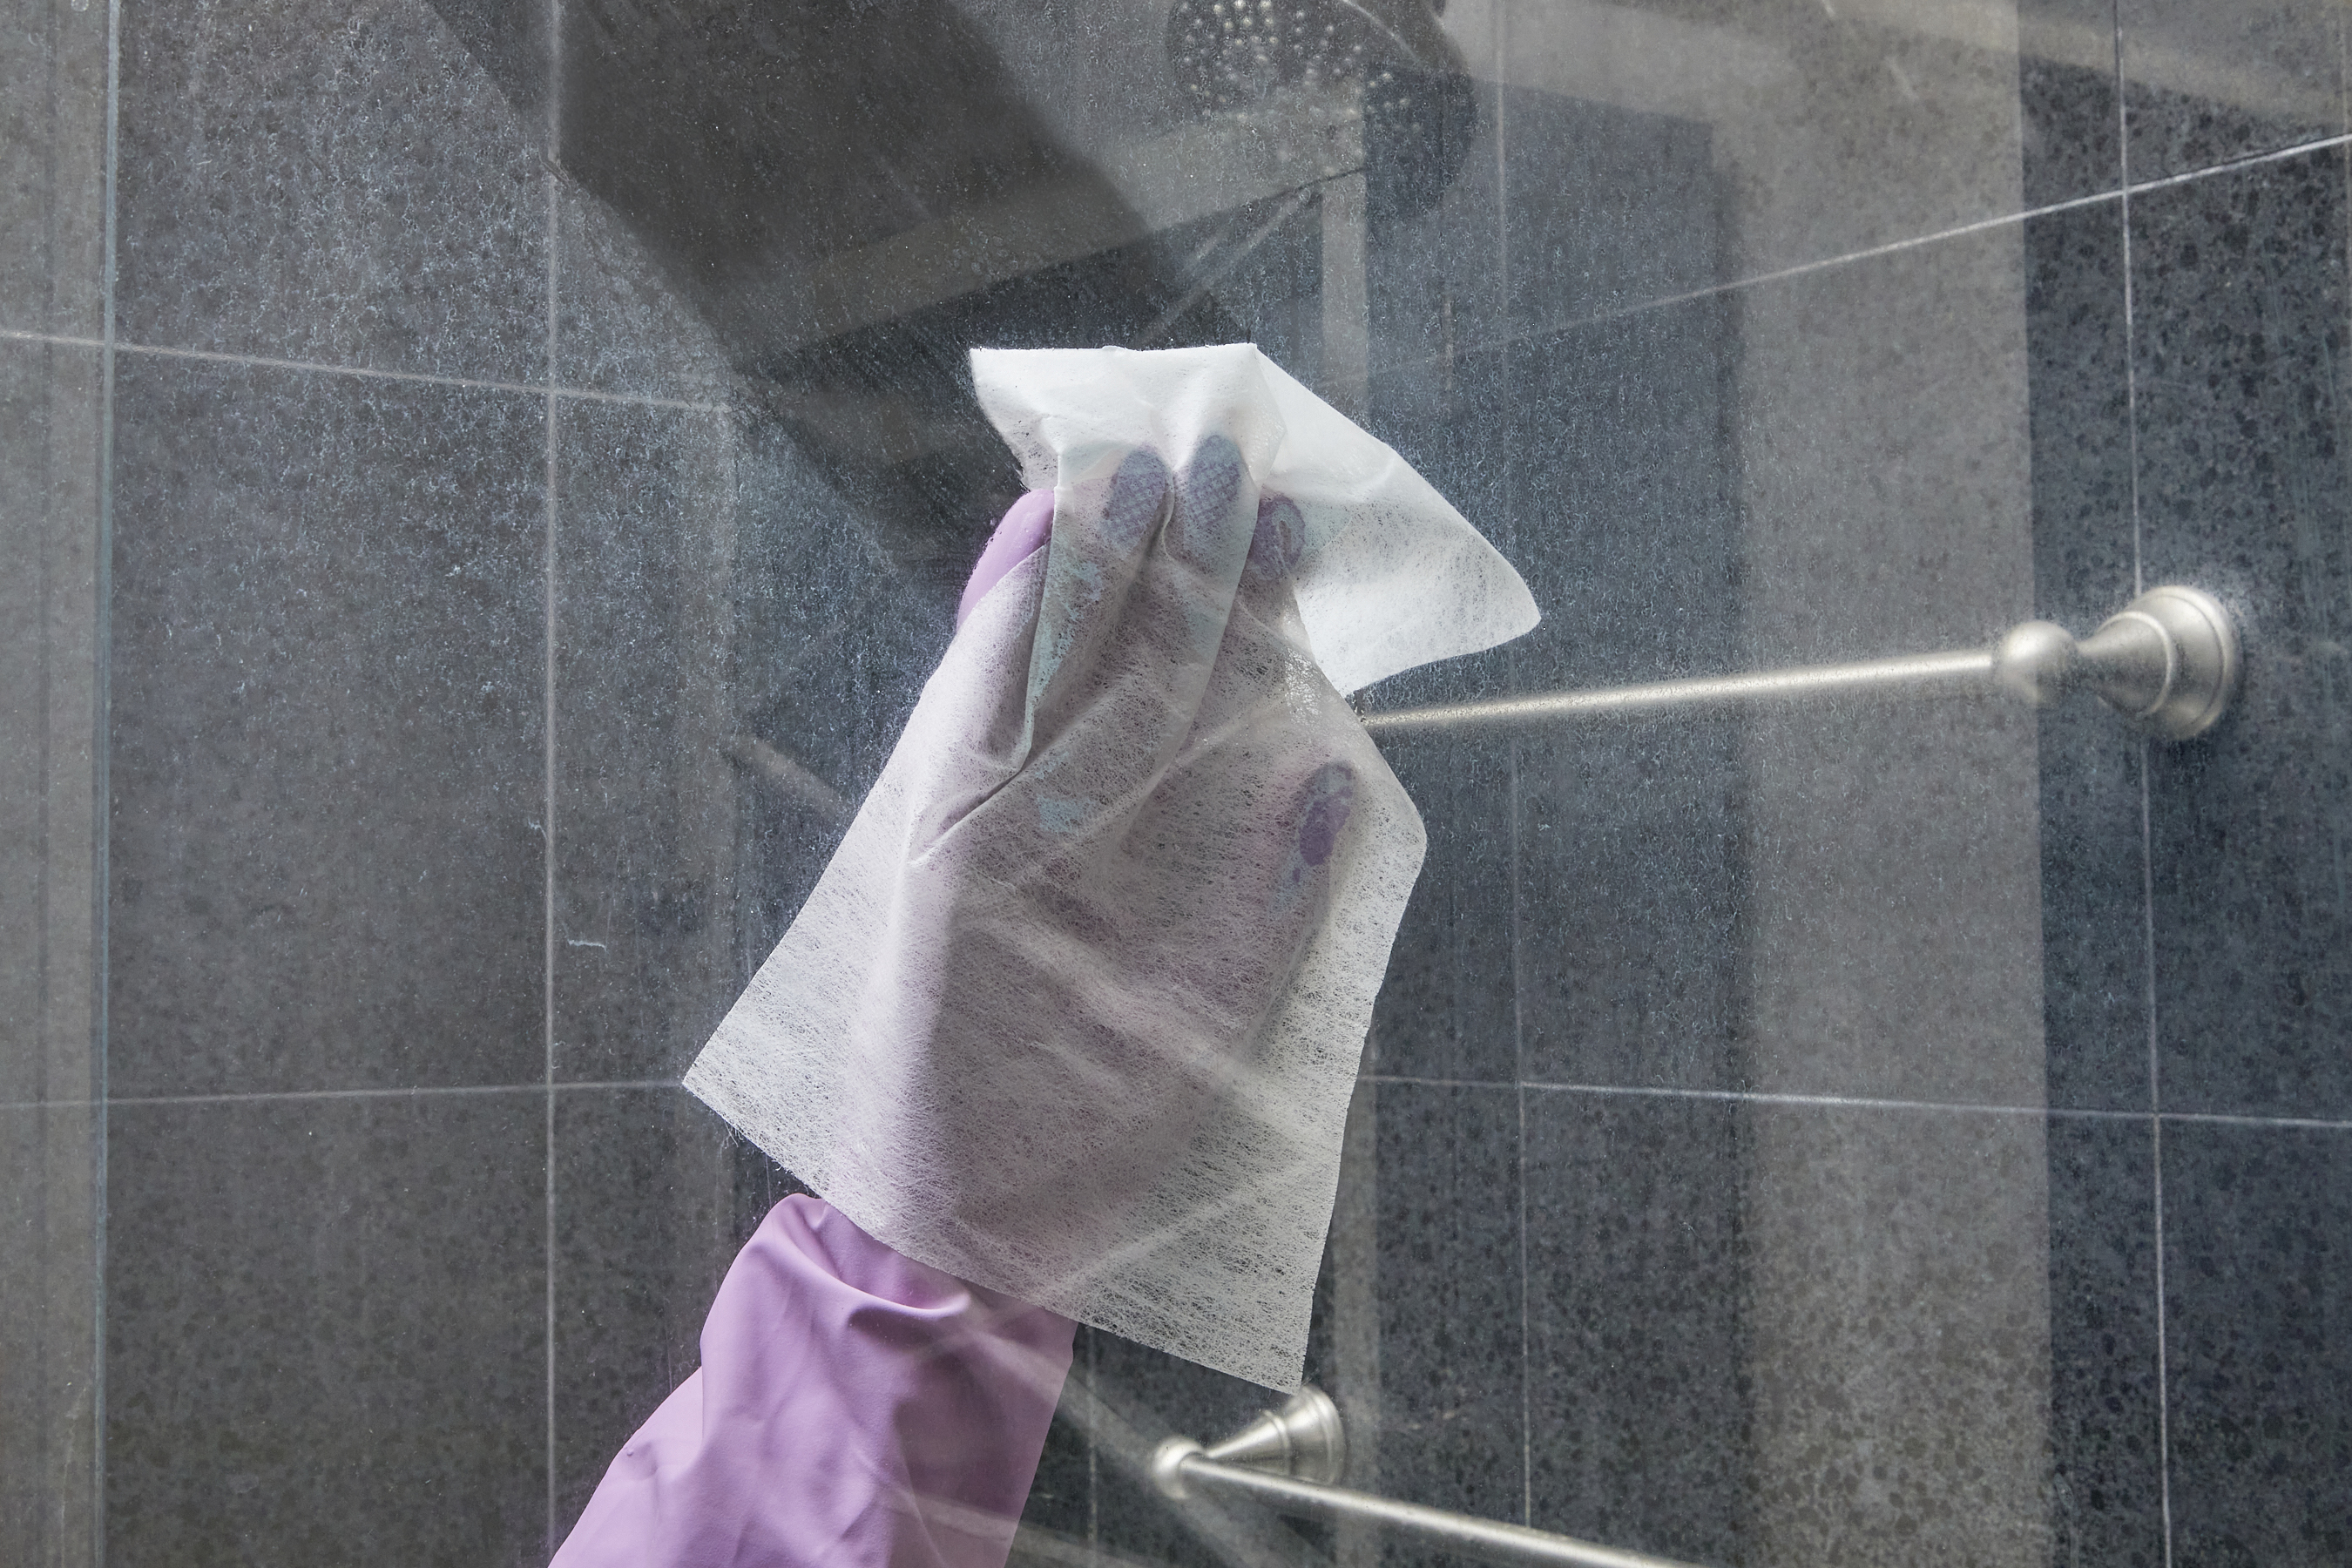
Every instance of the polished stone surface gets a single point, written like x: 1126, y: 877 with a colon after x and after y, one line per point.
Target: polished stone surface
x: 646, y: 838
x: 326, y: 1331
x: 2105, y: 1426
x: 2258, y: 1282
x: 303, y: 181
x: 2241, y: 306
x: 53, y: 167
x: 2205, y: 82
x: 1639, y: 1377
x: 327, y: 767
x: 50, y: 1306
x: 646, y: 1226
x: 51, y: 646
x: 2094, y: 939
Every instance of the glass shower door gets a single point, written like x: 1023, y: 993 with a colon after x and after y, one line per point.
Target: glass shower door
x: 485, y: 486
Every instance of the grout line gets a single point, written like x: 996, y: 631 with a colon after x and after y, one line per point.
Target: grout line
x: 2146, y: 831
x: 1892, y: 247
x: 1824, y: 1102
x: 549, y: 633
x: 102, y: 594
x: 1821, y: 1101
x: 1518, y: 1018
x: 431, y: 1091
x: 54, y: 340
x: 365, y: 373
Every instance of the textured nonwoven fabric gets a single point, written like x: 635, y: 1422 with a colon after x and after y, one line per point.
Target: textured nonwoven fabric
x: 1076, y: 1010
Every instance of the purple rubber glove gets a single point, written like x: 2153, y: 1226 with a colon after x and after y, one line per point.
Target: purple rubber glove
x: 1017, y: 537
x: 853, y: 1409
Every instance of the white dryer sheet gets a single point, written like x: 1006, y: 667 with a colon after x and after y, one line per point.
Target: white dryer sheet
x: 1075, y: 1011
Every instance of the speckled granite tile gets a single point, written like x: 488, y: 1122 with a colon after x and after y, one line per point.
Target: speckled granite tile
x: 2105, y: 1439
x: 1628, y: 528
x: 305, y: 181
x: 2209, y: 80
x: 2070, y: 135
x: 1897, y: 1320
x: 2093, y: 949
x: 1445, y: 1007
x: 648, y: 798
x: 644, y: 1233
x: 2241, y: 312
x: 53, y: 167
x: 2258, y: 1289
x: 1448, y: 1287
x: 623, y: 326
x: 1638, y: 1383
x: 1831, y: 130
x: 326, y: 1331
x: 51, y: 648
x: 50, y: 1302
x: 327, y: 772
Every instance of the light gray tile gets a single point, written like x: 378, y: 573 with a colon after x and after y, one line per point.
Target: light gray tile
x: 53, y: 166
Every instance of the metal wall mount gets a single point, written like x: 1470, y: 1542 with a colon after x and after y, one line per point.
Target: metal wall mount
x: 2169, y: 663
x: 1288, y: 1458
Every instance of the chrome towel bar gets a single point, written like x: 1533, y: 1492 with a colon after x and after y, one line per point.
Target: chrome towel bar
x: 1286, y: 1459
x: 2169, y: 663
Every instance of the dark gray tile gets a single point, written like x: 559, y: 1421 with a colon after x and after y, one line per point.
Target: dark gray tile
x: 1637, y: 1360
x: 1628, y: 525
x: 53, y: 167
x: 646, y: 795
x: 508, y: 39
x: 304, y: 183
x: 1624, y: 496
x: 835, y: 634
x: 1828, y: 130
x: 326, y: 1331
x: 1446, y: 1008
x: 2209, y: 80
x: 1607, y: 208
x: 2094, y: 918
x: 49, y: 1306
x: 1448, y: 1289
x: 327, y: 774
x: 2070, y: 133
x: 1885, y: 469
x: 1062, y: 1498
x: 645, y: 1230
x: 623, y: 326
x: 2258, y: 1292
x: 1631, y: 894
x: 2106, y: 1440
x: 1148, y: 1395
x: 2242, y: 305
x: 1435, y: 290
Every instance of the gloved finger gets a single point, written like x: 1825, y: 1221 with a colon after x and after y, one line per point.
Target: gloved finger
x: 1018, y: 535
x: 1210, y: 530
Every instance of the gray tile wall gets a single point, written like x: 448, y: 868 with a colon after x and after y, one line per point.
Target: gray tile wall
x: 1717, y: 1188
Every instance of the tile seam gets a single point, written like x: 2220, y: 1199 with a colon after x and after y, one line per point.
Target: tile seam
x: 1869, y: 1102
x: 103, y: 568
x: 1891, y: 247
x: 420, y: 1091
x: 369, y: 373
x: 551, y: 515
